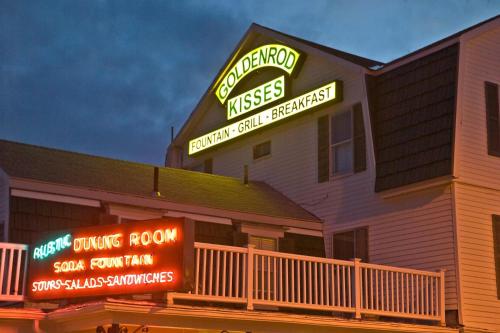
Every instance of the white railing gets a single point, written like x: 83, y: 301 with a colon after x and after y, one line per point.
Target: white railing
x: 13, y: 270
x: 266, y: 278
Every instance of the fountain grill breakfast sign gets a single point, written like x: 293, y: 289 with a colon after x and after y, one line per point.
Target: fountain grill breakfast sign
x: 137, y: 257
x: 270, y: 55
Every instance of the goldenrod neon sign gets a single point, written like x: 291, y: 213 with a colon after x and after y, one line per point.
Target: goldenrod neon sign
x: 256, y: 98
x: 275, y: 55
x: 327, y: 93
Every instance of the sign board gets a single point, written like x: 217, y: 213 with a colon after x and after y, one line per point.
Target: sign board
x: 328, y: 93
x: 130, y: 258
x: 270, y: 55
x: 267, y: 94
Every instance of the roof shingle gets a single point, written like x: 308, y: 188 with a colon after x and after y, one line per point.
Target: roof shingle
x: 117, y: 176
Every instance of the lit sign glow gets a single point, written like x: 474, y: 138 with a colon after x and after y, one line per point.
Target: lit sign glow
x: 257, y: 97
x: 320, y: 96
x: 275, y: 55
x: 102, y: 282
x: 137, y: 257
x: 52, y: 247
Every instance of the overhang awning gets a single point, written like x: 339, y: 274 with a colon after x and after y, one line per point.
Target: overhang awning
x: 173, y: 318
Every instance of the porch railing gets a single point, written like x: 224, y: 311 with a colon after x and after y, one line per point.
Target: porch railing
x: 13, y: 270
x: 266, y: 278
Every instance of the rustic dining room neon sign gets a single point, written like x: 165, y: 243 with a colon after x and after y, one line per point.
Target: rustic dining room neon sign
x: 137, y: 257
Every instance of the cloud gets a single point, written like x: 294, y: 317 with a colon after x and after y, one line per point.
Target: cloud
x: 111, y: 77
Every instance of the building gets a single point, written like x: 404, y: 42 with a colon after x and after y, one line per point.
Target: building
x: 416, y: 168
x: 310, y: 157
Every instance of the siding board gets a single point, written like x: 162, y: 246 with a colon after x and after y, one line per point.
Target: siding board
x: 414, y: 230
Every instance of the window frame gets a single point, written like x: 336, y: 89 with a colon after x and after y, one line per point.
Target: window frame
x: 332, y: 146
x: 490, y: 151
x: 275, y: 239
x: 268, y: 155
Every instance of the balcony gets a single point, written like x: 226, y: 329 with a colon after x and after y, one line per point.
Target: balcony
x: 258, y: 279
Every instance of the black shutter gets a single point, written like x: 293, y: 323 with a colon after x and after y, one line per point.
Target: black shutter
x: 286, y: 244
x: 496, y: 249
x: 208, y: 165
x: 359, y: 139
x: 240, y: 239
x: 323, y: 149
x: 362, y: 244
x: 492, y: 118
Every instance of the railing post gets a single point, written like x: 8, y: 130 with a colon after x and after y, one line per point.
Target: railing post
x: 357, y: 287
x: 250, y: 276
x: 442, y: 298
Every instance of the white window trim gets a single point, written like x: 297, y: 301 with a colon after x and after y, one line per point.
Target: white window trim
x: 332, y: 146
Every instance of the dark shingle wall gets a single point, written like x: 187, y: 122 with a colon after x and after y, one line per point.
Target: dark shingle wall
x: 413, y: 108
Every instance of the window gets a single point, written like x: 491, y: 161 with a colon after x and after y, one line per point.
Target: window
x: 496, y: 249
x: 264, y: 243
x: 197, y: 168
x: 492, y: 118
x: 261, y: 150
x: 351, y: 244
x: 208, y: 165
x: 341, y: 143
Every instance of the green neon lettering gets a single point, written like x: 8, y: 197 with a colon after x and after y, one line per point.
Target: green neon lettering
x: 52, y: 247
x: 274, y: 55
x: 289, y: 108
x: 256, y: 97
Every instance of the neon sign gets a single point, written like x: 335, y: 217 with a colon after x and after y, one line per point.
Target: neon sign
x: 330, y: 92
x: 257, y: 97
x: 52, y: 247
x: 139, y: 257
x: 275, y: 55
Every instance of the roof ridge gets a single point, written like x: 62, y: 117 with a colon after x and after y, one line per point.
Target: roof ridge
x: 440, y: 41
x: 326, y: 48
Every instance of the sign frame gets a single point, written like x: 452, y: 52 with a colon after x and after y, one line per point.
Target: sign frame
x: 150, y: 256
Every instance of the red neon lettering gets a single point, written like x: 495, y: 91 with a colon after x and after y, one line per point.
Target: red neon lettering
x: 159, y: 236
x: 96, y: 243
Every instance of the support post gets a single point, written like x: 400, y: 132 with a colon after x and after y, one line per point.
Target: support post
x: 442, y: 302
x: 250, y: 276
x: 357, y: 287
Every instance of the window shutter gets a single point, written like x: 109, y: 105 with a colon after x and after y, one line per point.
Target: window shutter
x: 323, y: 149
x: 240, y: 239
x: 496, y: 249
x: 492, y: 118
x: 359, y: 139
x: 362, y: 244
x: 343, y: 245
x: 208, y: 165
x: 287, y: 244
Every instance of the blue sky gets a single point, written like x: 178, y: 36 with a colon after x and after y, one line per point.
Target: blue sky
x: 110, y: 77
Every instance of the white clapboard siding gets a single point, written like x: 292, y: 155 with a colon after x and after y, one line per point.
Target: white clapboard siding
x: 410, y: 231
x: 475, y: 207
x: 477, y: 191
x: 480, y: 62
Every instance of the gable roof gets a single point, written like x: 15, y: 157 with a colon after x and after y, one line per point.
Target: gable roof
x: 441, y: 41
x: 129, y: 178
x: 358, y: 60
x: 256, y: 29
